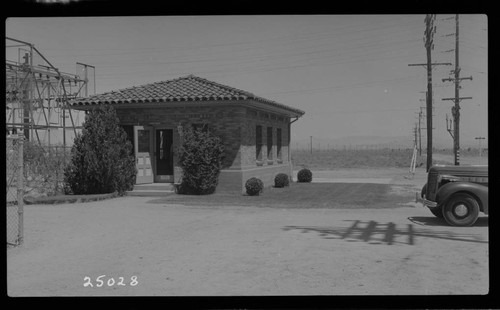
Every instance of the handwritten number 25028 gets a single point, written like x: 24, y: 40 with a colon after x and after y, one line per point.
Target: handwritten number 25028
x: 100, y: 281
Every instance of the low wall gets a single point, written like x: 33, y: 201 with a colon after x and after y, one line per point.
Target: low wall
x: 234, y: 180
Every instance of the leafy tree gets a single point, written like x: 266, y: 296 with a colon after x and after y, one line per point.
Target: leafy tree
x: 101, y: 160
x: 200, y: 156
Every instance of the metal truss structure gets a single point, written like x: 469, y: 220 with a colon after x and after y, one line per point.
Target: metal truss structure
x: 37, y: 93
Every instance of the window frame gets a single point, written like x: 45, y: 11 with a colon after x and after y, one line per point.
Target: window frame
x: 269, y: 142
x: 279, y: 143
x: 258, y: 142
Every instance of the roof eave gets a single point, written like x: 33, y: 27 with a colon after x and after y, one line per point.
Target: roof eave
x: 275, y: 108
x: 260, y: 104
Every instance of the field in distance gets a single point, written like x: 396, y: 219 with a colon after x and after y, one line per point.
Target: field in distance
x: 379, y: 158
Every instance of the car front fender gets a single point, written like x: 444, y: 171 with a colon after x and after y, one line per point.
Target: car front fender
x: 423, y: 191
x: 477, y: 190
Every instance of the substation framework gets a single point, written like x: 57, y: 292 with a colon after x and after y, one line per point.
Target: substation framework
x: 38, y: 93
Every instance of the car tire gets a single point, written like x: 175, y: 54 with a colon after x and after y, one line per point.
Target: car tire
x: 438, y: 212
x: 461, y: 210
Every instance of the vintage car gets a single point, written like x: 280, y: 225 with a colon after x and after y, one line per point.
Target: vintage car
x: 456, y: 193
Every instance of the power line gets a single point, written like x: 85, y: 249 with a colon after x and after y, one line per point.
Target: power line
x: 271, y: 56
x: 323, y: 112
x: 399, y: 79
x: 266, y: 68
x: 276, y: 40
x: 280, y: 55
x: 360, y: 47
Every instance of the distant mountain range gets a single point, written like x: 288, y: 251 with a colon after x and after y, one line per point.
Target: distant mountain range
x: 369, y: 142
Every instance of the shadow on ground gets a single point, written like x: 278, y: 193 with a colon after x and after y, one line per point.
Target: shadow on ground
x: 301, y: 195
x: 373, y: 232
x: 435, y: 221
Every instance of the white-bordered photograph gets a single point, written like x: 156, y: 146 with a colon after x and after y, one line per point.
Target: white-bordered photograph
x: 247, y: 155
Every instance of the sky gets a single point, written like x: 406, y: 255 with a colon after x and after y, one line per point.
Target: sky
x: 349, y: 73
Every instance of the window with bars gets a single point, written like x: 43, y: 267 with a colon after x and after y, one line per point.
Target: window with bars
x: 269, y: 142
x: 258, y: 142
x: 278, y: 142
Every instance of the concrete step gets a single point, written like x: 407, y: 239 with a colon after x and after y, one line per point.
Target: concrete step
x: 150, y: 193
x: 154, y: 186
x: 152, y: 190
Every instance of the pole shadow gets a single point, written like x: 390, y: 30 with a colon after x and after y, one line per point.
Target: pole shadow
x: 373, y: 232
x: 435, y: 221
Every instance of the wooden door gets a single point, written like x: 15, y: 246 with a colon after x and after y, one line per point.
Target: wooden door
x: 143, y: 138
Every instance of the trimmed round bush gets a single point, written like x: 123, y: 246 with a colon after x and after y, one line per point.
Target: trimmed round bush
x: 304, y: 176
x: 254, y: 186
x: 281, y: 180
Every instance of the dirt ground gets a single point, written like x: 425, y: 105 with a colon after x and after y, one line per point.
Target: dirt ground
x: 161, y: 249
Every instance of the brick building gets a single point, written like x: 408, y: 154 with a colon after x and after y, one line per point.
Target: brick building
x: 255, y: 130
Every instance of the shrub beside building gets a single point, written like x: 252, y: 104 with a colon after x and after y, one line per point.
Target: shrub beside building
x: 102, y: 159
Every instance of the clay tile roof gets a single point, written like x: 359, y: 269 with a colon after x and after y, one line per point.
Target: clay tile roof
x: 189, y: 88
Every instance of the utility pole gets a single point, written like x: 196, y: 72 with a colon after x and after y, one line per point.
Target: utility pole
x: 430, y: 30
x: 415, y: 131
x: 414, y: 155
x: 480, y: 149
x: 420, y: 114
x: 419, y: 130
x: 455, y: 110
x: 311, y: 144
x: 429, y: 33
x: 27, y: 96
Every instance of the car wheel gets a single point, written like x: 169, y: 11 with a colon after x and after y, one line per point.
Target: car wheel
x: 461, y: 210
x: 438, y: 212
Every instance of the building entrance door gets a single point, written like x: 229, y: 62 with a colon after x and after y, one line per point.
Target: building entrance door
x: 164, y: 157
x: 143, y: 137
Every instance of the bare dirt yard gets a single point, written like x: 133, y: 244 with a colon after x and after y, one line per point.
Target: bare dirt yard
x: 132, y: 246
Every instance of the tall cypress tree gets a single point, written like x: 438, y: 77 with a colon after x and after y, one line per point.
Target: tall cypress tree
x: 200, y: 157
x: 101, y: 160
